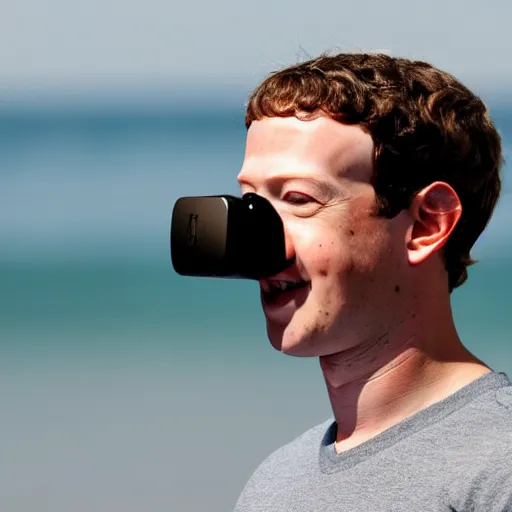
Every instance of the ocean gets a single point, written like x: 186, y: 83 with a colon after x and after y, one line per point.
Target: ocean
x: 124, y: 386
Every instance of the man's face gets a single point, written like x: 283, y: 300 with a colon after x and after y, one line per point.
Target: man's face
x: 350, y: 265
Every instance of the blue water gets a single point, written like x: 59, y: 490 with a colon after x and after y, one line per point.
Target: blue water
x: 122, y: 385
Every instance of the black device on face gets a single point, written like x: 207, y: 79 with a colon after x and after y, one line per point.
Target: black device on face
x: 226, y: 236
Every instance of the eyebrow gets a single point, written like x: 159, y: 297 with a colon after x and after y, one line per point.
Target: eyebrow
x: 324, y: 186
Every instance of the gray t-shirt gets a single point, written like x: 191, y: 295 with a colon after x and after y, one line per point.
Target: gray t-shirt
x: 454, y: 456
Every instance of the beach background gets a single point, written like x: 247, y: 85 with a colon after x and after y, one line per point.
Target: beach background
x: 124, y: 386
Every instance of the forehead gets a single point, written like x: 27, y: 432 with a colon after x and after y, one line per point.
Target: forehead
x: 318, y: 148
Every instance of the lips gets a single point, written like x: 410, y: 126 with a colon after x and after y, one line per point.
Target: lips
x: 283, y: 294
x: 276, y: 286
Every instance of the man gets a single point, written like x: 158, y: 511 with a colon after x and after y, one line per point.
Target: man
x: 385, y: 172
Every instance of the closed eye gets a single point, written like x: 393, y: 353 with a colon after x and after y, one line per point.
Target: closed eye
x: 297, y: 198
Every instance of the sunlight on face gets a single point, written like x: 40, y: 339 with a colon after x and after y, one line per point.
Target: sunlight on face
x: 316, y: 174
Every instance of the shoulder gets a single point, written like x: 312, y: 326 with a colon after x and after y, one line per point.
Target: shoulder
x: 282, y: 467
x: 486, y: 415
x: 486, y: 472
x: 299, y: 453
x: 484, y: 428
x: 300, y: 450
x: 489, y: 419
x: 504, y: 399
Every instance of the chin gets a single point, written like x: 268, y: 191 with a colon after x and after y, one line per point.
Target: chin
x: 299, y: 341
x: 291, y: 342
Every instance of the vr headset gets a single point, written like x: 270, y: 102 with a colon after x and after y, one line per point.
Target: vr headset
x: 227, y: 237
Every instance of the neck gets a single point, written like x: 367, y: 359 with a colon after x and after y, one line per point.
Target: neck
x: 385, y: 380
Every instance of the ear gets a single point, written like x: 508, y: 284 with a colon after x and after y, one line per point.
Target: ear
x: 435, y: 211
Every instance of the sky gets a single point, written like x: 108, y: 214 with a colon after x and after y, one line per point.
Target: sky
x: 92, y: 46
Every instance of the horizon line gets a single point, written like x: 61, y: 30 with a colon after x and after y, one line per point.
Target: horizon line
x: 163, y: 95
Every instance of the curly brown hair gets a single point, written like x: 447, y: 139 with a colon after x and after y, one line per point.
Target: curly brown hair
x: 426, y: 126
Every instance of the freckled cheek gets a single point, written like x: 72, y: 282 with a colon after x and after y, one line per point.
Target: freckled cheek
x: 324, y: 259
x: 322, y: 251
